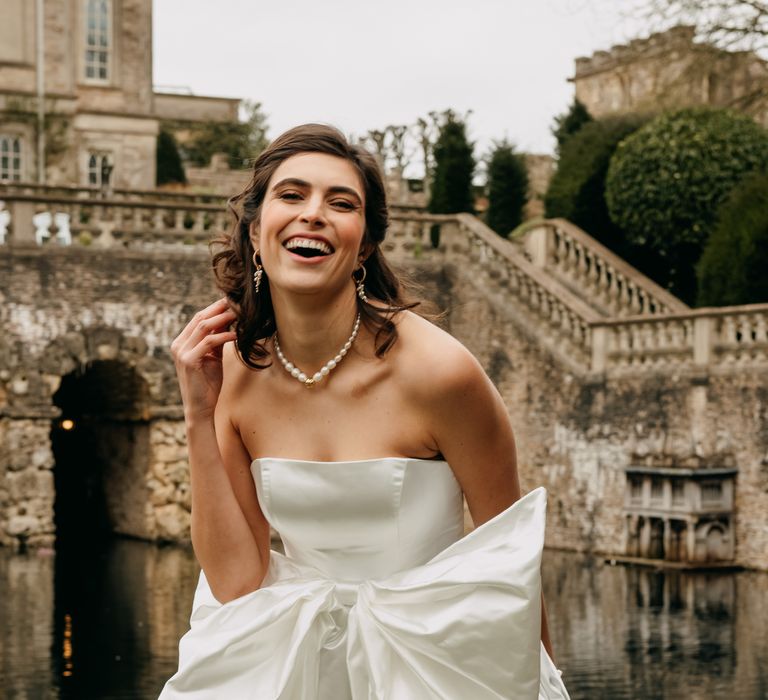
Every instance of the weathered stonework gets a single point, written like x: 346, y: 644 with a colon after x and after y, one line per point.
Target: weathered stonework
x: 112, y: 315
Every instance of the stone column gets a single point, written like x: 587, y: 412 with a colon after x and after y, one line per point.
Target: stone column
x: 667, y: 537
x: 645, y: 538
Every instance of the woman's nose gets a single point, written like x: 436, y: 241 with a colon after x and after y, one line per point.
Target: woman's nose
x: 312, y: 212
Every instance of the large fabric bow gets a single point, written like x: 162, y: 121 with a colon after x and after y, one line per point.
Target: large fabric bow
x: 465, y: 625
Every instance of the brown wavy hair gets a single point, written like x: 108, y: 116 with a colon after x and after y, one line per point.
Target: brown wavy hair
x: 233, y: 260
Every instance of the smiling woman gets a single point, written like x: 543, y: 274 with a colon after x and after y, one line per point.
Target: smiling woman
x: 354, y: 193
x: 357, y: 448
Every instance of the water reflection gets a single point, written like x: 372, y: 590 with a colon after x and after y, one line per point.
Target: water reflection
x: 622, y: 632
x: 107, y: 625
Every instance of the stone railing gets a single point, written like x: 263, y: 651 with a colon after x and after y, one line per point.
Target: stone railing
x: 698, y: 339
x: 72, y: 218
x: 611, y: 285
x: 517, y: 282
x: 559, y: 319
x: 690, y: 339
x: 11, y: 189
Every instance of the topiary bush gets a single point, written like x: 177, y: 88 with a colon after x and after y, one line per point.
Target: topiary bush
x: 734, y: 265
x: 666, y: 181
x: 577, y: 189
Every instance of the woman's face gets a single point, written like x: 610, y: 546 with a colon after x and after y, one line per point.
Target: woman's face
x: 311, y: 225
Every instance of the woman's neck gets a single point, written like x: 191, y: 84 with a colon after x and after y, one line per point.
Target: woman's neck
x: 310, y: 331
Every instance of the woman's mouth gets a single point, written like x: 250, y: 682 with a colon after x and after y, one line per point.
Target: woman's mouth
x: 308, y: 247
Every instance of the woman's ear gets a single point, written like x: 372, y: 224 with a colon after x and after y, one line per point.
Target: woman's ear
x: 253, y: 233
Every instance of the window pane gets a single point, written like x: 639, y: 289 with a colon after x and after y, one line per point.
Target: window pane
x: 103, y: 73
x: 4, y: 163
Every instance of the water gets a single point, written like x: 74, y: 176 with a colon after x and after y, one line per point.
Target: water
x: 107, y: 625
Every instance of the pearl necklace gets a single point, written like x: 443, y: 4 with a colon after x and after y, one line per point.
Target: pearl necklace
x: 309, y: 382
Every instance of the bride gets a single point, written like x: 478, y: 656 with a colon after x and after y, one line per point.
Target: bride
x: 353, y: 426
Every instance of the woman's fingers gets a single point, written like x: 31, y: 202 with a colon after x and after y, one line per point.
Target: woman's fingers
x: 211, y: 310
x: 208, y: 327
x: 191, y: 355
x: 218, y: 308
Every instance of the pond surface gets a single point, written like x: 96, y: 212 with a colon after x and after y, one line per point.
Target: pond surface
x: 107, y: 626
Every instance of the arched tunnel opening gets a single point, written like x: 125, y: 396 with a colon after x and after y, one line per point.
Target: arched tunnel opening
x: 100, y: 449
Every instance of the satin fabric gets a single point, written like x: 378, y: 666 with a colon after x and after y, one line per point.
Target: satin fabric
x: 378, y: 595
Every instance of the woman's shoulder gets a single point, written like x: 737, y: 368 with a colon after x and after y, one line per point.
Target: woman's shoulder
x: 432, y: 362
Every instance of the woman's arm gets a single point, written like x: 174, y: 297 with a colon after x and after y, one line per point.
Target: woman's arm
x: 470, y: 425
x: 231, y: 542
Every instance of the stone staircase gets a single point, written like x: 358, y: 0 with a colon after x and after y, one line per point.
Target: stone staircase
x: 586, y: 305
x: 591, y: 309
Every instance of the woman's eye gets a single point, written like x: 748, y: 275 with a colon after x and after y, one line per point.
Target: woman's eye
x: 289, y: 195
x: 343, y: 204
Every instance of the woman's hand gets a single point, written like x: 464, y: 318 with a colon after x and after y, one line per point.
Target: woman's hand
x: 197, y: 355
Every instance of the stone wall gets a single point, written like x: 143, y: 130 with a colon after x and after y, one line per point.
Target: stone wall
x: 574, y: 434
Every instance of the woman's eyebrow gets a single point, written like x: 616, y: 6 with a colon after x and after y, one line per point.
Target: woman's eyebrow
x: 297, y: 182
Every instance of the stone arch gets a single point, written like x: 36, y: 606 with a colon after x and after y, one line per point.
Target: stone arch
x: 100, y: 447
x: 27, y: 391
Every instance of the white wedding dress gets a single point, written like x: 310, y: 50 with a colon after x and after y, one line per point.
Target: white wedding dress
x: 378, y: 595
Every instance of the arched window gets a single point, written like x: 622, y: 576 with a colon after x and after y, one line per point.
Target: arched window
x: 98, y: 39
x: 99, y: 169
x: 10, y: 158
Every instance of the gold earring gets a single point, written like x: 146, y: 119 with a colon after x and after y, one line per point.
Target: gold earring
x: 258, y: 273
x: 359, y: 283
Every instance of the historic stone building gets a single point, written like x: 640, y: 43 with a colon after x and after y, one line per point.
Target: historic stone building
x: 89, y: 63
x: 670, y: 69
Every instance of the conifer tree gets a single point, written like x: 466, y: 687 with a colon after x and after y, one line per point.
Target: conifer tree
x: 454, y: 168
x: 566, y: 125
x: 169, y: 167
x: 507, y: 188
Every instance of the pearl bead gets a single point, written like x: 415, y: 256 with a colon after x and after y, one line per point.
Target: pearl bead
x: 296, y: 372
x: 337, y: 359
x: 302, y: 377
x: 289, y: 366
x: 325, y: 370
x: 317, y: 376
x: 331, y: 364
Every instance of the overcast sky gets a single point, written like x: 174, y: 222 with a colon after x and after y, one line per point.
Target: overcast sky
x: 363, y: 64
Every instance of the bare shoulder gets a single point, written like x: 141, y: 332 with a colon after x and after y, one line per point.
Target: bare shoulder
x: 434, y: 363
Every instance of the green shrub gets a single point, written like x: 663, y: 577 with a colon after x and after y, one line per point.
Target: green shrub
x: 169, y: 167
x: 454, y: 167
x: 666, y: 181
x: 507, y: 189
x: 734, y: 266
x: 577, y: 189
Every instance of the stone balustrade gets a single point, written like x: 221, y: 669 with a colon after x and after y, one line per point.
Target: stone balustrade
x: 614, y: 287
x: 70, y: 218
x: 630, y: 324
x: 709, y: 338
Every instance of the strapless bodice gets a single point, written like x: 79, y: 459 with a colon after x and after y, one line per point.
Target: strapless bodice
x: 361, y: 519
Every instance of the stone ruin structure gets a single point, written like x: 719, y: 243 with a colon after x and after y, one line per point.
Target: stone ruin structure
x: 667, y: 70
x: 646, y: 420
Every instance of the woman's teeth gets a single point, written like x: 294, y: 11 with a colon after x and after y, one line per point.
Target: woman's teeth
x: 308, y: 247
